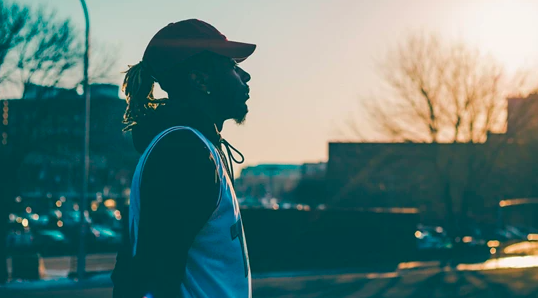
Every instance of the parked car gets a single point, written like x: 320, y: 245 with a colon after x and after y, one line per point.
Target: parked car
x: 51, y: 242
x: 19, y: 241
x: 432, y: 238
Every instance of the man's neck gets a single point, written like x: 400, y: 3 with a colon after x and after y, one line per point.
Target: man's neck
x: 193, y: 115
x: 200, y: 106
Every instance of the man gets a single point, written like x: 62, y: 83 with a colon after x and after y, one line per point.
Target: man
x: 185, y: 236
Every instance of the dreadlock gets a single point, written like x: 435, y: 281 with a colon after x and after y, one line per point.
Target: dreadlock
x: 138, y: 88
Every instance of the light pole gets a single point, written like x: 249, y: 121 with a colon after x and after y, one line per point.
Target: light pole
x: 81, y: 259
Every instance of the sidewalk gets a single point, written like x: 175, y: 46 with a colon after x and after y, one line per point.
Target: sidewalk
x: 102, y: 279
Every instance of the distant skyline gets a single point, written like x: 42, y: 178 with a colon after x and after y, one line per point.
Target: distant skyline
x: 315, y: 59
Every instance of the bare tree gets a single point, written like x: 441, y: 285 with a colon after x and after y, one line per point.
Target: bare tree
x: 439, y: 92
x: 36, y: 49
x: 13, y: 20
x: 442, y: 92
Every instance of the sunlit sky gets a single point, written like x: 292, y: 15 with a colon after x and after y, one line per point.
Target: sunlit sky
x: 315, y: 58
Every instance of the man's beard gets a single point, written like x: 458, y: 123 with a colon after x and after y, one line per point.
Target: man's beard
x: 241, y: 120
x: 241, y: 115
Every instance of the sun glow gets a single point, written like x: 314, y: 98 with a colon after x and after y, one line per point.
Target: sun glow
x: 503, y: 28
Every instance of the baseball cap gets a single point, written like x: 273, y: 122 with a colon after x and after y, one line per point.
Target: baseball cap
x: 180, y: 41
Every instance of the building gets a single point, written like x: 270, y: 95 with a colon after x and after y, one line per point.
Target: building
x: 274, y: 180
x: 313, y: 169
x: 267, y: 180
x: 53, y: 119
x: 462, y: 178
x: 522, y: 118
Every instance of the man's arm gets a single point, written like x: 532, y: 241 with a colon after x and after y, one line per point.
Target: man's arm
x: 179, y: 192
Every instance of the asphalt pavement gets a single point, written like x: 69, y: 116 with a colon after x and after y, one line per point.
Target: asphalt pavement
x: 505, y: 277
x: 418, y: 283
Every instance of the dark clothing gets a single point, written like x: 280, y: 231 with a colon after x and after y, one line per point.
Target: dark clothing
x: 179, y: 192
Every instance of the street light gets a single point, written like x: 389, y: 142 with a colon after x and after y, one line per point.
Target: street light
x: 81, y: 259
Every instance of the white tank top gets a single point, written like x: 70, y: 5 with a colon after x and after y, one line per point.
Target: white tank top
x: 217, y: 262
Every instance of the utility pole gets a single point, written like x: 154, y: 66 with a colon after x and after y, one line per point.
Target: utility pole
x: 81, y: 259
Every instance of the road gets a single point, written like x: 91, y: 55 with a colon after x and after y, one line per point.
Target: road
x: 431, y: 283
x: 423, y: 283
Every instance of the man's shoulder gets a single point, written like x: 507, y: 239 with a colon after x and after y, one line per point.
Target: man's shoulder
x: 181, y: 145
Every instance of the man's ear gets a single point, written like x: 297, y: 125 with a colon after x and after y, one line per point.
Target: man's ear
x: 199, y: 81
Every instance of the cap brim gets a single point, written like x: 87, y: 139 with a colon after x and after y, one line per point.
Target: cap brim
x: 238, y: 51
x: 167, y: 52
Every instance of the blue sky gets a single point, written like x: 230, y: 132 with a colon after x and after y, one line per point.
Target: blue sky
x: 315, y: 59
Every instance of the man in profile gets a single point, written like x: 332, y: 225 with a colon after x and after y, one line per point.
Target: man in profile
x: 185, y: 235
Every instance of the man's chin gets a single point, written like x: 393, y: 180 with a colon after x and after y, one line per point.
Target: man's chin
x: 242, y: 116
x: 240, y: 120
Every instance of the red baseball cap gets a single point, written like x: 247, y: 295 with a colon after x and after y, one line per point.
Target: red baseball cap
x: 179, y: 41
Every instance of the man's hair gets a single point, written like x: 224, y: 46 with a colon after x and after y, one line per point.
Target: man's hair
x: 138, y: 88
x: 139, y: 83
